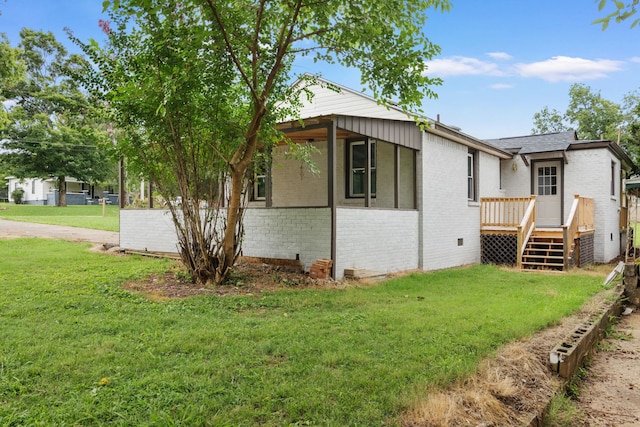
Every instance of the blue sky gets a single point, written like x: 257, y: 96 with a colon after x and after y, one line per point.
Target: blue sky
x: 501, y: 60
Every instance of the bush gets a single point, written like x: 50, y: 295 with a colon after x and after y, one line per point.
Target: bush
x: 16, y: 195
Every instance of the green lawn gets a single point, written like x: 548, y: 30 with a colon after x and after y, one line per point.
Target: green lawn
x: 76, y: 349
x: 89, y: 216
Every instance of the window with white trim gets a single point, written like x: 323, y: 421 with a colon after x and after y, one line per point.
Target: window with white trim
x: 613, y: 178
x: 547, y: 181
x: 472, y: 176
x: 357, y: 162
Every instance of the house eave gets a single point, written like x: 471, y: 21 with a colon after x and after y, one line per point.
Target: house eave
x: 444, y: 131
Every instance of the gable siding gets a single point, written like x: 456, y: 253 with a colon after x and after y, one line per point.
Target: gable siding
x: 327, y: 102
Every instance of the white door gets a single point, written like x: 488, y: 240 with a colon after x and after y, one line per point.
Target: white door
x: 547, y: 180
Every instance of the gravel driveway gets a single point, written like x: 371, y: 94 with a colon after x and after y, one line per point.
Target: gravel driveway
x: 10, y: 229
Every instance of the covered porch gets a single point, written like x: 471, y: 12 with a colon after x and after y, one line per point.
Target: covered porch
x: 509, y: 234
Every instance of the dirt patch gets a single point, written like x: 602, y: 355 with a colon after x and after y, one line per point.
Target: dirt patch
x: 245, y: 279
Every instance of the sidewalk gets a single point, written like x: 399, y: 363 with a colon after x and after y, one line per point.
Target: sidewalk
x: 12, y: 229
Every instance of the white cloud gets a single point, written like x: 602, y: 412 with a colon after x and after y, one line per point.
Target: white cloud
x: 499, y: 55
x: 635, y: 59
x: 501, y: 86
x: 461, y: 66
x: 564, y: 68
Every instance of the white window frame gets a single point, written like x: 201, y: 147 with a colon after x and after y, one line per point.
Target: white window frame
x: 472, y: 176
x: 257, y: 178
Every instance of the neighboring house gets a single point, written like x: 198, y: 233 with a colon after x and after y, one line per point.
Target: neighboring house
x: 43, y: 191
x: 391, y: 195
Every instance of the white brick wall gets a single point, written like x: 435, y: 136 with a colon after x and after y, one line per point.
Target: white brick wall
x: 447, y: 215
x: 588, y: 173
x: 271, y: 233
x: 147, y: 229
x: 287, y: 232
x: 383, y: 240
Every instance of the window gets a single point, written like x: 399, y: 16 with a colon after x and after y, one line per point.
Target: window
x: 472, y: 176
x: 547, y: 181
x: 613, y: 178
x: 357, y: 163
x: 259, y: 187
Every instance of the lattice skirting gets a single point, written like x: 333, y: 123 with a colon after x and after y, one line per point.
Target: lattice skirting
x: 498, y: 248
x: 586, y: 250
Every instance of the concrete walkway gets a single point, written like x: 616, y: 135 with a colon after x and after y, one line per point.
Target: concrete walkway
x: 12, y: 229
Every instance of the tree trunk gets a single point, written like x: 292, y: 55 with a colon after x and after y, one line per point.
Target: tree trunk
x: 62, y: 191
x: 233, y: 216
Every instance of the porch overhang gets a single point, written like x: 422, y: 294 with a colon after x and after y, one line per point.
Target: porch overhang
x: 402, y: 133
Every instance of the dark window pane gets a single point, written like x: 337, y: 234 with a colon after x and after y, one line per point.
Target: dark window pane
x: 357, y: 183
x: 359, y: 155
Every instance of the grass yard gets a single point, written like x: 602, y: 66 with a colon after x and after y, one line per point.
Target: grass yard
x: 76, y: 349
x: 89, y: 216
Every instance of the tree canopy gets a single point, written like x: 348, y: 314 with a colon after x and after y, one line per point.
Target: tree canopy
x: 622, y: 11
x: 196, y: 87
x: 594, y: 117
x: 51, y: 129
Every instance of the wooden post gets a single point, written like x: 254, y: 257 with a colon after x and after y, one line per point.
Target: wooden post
x: 121, y: 191
x: 104, y: 205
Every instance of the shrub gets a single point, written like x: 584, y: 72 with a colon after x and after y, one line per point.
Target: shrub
x: 16, y: 195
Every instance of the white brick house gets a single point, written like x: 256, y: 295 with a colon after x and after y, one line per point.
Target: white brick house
x: 390, y: 195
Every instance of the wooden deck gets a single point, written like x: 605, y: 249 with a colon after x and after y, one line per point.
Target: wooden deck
x: 537, y: 248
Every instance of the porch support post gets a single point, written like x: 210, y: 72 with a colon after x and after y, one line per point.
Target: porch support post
x: 367, y: 173
x: 121, y: 192
x: 332, y: 179
x: 415, y: 180
x: 268, y: 191
x: 396, y: 177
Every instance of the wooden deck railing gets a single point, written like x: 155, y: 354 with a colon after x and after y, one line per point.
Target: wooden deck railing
x: 580, y: 219
x: 515, y: 213
x: 624, y: 218
x: 503, y: 211
x: 525, y: 229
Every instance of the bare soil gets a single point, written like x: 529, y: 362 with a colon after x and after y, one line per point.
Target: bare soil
x: 246, y: 279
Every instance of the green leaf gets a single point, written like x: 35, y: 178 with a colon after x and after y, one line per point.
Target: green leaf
x: 105, y: 5
x: 602, y: 4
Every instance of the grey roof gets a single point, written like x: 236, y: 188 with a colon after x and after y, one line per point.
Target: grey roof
x: 557, y: 141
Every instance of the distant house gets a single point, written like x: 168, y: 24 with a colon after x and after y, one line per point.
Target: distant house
x: 39, y: 191
x: 395, y: 194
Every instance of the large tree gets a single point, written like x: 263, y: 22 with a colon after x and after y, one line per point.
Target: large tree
x: 196, y: 87
x: 50, y: 127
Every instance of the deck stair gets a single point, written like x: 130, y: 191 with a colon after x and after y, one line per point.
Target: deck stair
x: 544, y: 251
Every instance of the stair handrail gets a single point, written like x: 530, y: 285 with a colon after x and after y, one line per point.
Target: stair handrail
x: 580, y: 216
x: 525, y: 229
